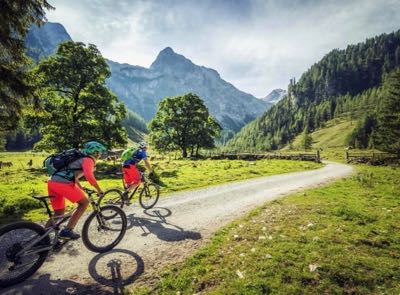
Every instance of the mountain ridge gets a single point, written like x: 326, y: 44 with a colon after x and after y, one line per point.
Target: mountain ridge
x: 171, y: 74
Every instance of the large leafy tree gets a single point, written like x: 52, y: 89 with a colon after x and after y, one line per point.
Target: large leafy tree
x: 77, y: 106
x: 16, y: 18
x: 387, y: 134
x: 183, y: 122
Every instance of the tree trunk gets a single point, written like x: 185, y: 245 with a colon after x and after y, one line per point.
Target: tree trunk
x: 184, y: 153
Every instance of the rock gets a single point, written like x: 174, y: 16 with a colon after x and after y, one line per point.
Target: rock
x: 239, y: 274
x: 313, y: 267
x: 268, y: 256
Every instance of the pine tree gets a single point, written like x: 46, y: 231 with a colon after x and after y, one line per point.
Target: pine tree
x: 387, y: 135
x: 16, y: 18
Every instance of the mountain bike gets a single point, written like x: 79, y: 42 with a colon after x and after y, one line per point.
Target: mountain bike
x: 149, y: 194
x: 24, y: 245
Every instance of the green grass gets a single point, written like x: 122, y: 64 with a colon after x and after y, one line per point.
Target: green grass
x: 333, y: 135
x: 340, y: 239
x: 18, y: 182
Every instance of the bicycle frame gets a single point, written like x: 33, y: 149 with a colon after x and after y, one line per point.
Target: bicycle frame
x: 55, y: 226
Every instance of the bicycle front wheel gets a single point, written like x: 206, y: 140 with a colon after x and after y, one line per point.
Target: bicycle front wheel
x: 17, y: 262
x: 149, y: 195
x: 104, y: 229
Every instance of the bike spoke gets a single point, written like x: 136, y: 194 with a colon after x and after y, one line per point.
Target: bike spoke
x: 12, y: 266
x: 105, y: 232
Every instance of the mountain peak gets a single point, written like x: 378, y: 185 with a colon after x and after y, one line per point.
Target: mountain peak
x: 167, y: 51
x: 275, y: 95
x: 168, y: 58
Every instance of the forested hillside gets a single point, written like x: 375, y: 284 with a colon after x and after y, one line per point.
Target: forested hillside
x: 344, y: 83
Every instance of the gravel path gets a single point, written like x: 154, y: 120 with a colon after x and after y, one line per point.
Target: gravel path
x: 179, y: 224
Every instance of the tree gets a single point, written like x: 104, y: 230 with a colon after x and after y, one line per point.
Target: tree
x: 306, y: 140
x: 183, y: 122
x: 15, y: 89
x: 76, y: 104
x: 387, y: 133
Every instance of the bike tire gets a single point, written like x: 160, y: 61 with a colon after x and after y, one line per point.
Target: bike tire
x: 93, y: 217
x: 45, y: 242
x: 145, y: 193
x: 115, y: 200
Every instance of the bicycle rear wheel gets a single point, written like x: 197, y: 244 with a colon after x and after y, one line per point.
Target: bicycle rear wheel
x: 104, y: 229
x: 16, y: 268
x: 149, y: 195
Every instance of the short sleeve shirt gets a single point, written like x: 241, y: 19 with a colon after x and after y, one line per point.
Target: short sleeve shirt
x: 139, y: 155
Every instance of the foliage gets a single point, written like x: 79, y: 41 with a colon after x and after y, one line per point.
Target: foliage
x: 183, y: 122
x: 76, y: 104
x: 387, y: 133
x: 339, y: 239
x: 15, y: 86
x: 344, y: 83
x: 360, y: 137
x: 306, y: 141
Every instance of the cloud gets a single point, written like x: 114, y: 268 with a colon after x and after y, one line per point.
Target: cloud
x: 256, y: 45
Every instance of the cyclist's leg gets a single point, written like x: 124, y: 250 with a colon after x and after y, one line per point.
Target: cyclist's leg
x: 132, y: 177
x: 57, y: 201
x: 76, y: 195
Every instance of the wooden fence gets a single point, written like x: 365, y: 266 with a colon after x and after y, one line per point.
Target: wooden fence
x: 365, y: 157
x: 315, y: 157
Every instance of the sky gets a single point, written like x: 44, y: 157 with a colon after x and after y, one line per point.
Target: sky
x: 257, y: 45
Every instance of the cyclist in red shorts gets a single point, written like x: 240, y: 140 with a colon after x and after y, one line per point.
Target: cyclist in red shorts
x: 132, y: 176
x: 65, y: 185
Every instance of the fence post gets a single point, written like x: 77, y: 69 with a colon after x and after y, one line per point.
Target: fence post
x: 318, y: 157
x: 347, y: 156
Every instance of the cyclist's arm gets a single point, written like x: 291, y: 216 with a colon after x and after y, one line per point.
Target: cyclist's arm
x: 147, y: 164
x: 88, y: 169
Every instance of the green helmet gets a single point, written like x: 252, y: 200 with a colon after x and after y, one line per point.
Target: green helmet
x: 92, y: 147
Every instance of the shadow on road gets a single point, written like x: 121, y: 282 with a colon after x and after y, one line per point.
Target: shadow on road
x: 44, y: 285
x: 116, y: 269
x: 158, y: 225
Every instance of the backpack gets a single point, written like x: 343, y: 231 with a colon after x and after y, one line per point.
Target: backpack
x: 58, y: 162
x: 127, y: 154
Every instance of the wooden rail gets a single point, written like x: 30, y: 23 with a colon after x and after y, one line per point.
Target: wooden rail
x: 368, y: 157
x: 316, y: 157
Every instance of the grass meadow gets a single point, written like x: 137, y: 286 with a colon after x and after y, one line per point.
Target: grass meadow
x: 18, y: 182
x: 343, y: 238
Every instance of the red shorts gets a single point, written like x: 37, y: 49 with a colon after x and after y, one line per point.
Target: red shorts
x: 62, y: 191
x: 131, y: 175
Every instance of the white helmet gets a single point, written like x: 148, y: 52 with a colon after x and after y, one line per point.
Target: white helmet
x: 142, y: 145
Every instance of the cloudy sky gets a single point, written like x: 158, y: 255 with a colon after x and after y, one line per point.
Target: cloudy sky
x: 257, y: 45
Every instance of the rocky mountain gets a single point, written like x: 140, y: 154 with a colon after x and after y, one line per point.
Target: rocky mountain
x: 275, y: 95
x: 42, y: 42
x: 173, y: 74
x: 170, y: 74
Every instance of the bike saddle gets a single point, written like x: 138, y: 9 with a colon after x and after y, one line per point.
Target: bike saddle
x: 42, y: 198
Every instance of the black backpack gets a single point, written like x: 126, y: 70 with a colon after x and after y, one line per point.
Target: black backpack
x: 59, y: 162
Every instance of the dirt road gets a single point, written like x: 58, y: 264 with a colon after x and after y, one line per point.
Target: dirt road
x: 160, y: 236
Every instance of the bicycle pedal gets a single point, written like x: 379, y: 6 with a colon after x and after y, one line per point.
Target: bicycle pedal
x: 58, y: 246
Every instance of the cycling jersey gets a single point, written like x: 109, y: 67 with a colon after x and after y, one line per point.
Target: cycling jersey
x: 139, y: 155
x: 62, y: 184
x: 77, y: 169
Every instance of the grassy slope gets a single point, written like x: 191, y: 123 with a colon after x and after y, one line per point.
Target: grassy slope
x: 333, y: 135
x: 340, y: 239
x: 17, y: 182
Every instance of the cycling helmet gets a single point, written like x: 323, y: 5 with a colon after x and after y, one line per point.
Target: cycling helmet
x: 92, y: 147
x: 142, y: 145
